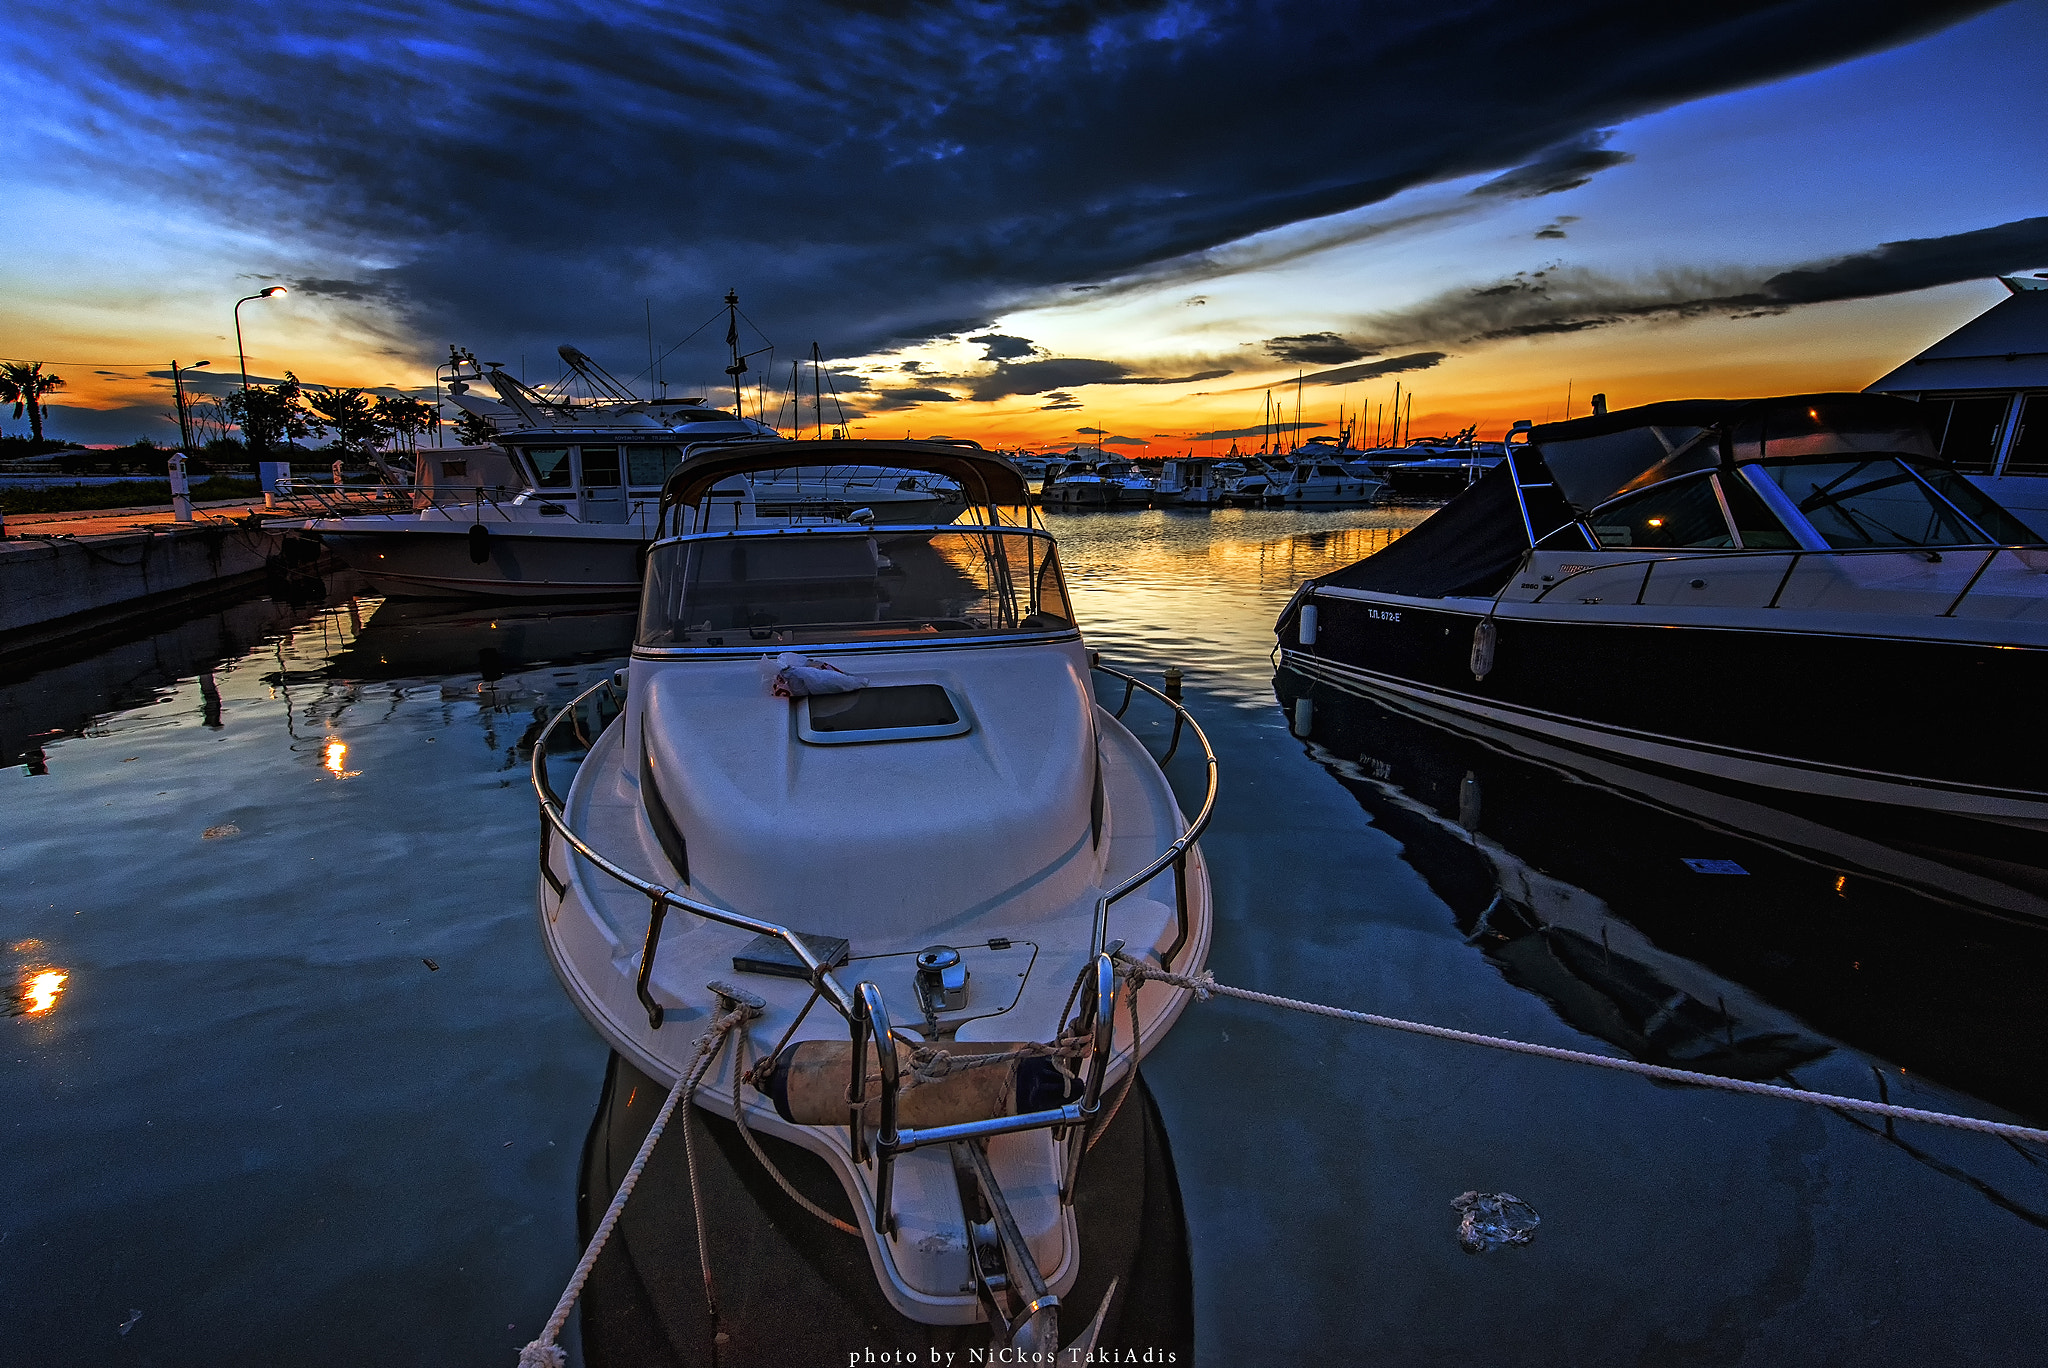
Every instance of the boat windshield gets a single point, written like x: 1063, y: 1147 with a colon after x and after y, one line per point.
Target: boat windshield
x: 777, y: 589
x: 1874, y: 501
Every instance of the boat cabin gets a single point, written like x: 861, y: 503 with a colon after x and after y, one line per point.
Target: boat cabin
x: 1983, y: 392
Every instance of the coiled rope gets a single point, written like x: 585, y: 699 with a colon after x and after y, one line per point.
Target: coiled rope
x: 543, y: 1352
x: 1204, y: 985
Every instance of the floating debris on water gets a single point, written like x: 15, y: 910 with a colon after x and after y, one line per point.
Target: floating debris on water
x: 129, y: 1324
x: 1493, y: 1219
x: 215, y: 833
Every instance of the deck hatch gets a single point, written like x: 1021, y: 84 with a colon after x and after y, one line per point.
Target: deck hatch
x: 895, y: 712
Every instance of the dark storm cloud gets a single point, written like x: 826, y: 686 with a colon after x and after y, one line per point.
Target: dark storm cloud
x: 1372, y: 370
x: 1315, y: 349
x: 1567, y: 166
x: 890, y: 399
x: 1559, y: 301
x: 1263, y: 430
x: 1001, y: 348
x: 1063, y: 373
x: 358, y: 290
x: 526, y: 173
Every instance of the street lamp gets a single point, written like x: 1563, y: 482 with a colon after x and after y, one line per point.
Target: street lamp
x: 265, y: 477
x: 178, y: 389
x: 260, y: 294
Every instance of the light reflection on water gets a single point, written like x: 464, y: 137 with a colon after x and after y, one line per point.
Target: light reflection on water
x: 1201, y: 590
x: 324, y: 1065
x: 39, y: 994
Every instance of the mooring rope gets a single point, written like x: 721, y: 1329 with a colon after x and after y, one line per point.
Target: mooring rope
x: 543, y: 1352
x: 1204, y: 984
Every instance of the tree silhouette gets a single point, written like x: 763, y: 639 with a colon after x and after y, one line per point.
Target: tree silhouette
x: 351, y: 415
x: 23, y: 384
x: 402, y: 420
x: 270, y: 413
x: 473, y: 429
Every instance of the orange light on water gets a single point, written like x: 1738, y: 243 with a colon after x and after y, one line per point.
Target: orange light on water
x: 40, y: 992
x: 333, y: 755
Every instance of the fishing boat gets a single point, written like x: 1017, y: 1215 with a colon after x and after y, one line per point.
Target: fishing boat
x: 855, y: 783
x: 1793, y: 593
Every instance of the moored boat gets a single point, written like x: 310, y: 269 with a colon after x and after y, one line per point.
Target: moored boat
x: 867, y: 763
x: 1794, y: 593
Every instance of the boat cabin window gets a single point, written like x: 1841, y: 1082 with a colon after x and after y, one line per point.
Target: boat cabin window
x: 2029, y: 454
x: 652, y: 465
x: 1678, y: 513
x: 775, y: 590
x: 1871, y: 502
x: 601, y: 465
x: 1966, y: 430
x: 550, y: 466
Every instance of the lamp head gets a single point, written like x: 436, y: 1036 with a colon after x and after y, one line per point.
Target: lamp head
x: 273, y: 290
x: 197, y: 364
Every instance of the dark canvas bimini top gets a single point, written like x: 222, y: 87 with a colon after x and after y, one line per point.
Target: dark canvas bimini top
x: 1594, y: 459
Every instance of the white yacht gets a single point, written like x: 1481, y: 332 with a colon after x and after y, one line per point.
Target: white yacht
x: 860, y: 779
x: 1984, y: 390
x: 1324, y: 482
x: 565, y: 502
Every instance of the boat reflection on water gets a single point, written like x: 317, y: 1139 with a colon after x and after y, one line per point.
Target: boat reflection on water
x: 1707, y: 929
x: 428, y: 638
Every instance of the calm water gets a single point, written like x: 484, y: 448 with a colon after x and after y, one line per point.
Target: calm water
x: 308, y: 1092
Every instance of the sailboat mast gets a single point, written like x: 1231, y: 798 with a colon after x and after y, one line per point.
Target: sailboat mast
x: 817, y: 393
x: 732, y: 344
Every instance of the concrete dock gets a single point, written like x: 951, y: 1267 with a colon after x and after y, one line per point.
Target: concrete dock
x: 72, y: 574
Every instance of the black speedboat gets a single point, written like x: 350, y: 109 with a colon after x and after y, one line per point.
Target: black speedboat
x: 1796, y: 593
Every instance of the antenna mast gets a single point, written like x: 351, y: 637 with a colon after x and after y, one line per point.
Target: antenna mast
x: 732, y: 343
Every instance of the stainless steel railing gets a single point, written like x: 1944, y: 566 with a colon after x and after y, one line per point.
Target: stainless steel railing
x: 863, y: 1009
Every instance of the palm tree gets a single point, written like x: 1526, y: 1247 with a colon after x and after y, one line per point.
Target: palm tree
x: 23, y: 384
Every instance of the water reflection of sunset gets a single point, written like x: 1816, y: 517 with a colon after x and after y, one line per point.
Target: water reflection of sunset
x: 39, y: 994
x: 1201, y: 592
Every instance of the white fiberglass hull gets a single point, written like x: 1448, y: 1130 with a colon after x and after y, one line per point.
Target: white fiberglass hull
x: 594, y: 929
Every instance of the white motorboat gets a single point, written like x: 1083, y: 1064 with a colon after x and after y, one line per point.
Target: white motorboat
x: 567, y: 500
x: 950, y: 853
x: 1106, y: 484
x: 1324, y: 482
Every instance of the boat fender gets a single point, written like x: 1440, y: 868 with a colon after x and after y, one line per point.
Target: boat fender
x: 1483, y: 637
x: 1306, y: 625
x: 479, y: 544
x: 808, y: 1086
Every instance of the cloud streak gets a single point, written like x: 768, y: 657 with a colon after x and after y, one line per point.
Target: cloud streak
x: 1560, y: 301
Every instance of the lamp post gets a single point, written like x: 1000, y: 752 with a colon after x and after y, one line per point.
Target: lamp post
x: 266, y: 471
x: 178, y: 389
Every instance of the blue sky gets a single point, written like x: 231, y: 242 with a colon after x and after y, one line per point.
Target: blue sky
x: 1141, y: 203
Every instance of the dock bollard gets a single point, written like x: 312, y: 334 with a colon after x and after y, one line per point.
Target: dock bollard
x: 1173, y: 682
x: 181, y: 489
